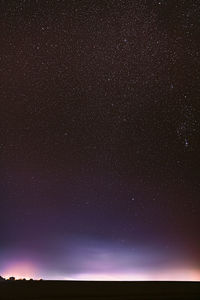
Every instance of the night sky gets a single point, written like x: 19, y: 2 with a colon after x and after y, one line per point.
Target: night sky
x: 99, y: 139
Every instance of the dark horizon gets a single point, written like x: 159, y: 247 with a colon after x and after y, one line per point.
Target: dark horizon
x: 100, y: 290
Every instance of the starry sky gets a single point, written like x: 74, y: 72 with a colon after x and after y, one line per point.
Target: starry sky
x: 99, y: 139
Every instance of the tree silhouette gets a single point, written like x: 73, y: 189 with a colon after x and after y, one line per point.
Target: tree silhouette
x: 2, y: 279
x: 12, y: 279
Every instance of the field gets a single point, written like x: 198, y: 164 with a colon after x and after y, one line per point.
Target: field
x: 60, y: 290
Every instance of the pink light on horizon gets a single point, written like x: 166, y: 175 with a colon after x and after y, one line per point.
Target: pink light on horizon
x: 20, y: 269
x: 29, y: 269
x: 168, y: 275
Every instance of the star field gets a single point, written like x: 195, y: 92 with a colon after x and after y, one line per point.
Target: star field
x: 99, y: 137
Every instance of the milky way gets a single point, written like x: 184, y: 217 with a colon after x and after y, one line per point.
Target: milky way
x: 99, y: 139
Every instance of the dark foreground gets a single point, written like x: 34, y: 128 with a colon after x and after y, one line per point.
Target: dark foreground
x: 59, y: 290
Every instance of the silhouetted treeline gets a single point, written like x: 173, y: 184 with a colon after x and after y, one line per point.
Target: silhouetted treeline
x: 12, y: 278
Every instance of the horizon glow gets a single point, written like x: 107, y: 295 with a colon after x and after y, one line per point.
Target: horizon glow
x: 87, y: 261
x: 168, y: 275
x: 20, y: 270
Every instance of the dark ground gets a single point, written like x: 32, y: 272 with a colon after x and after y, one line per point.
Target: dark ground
x: 44, y: 290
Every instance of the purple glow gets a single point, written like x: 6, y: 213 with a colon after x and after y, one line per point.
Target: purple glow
x: 87, y: 261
